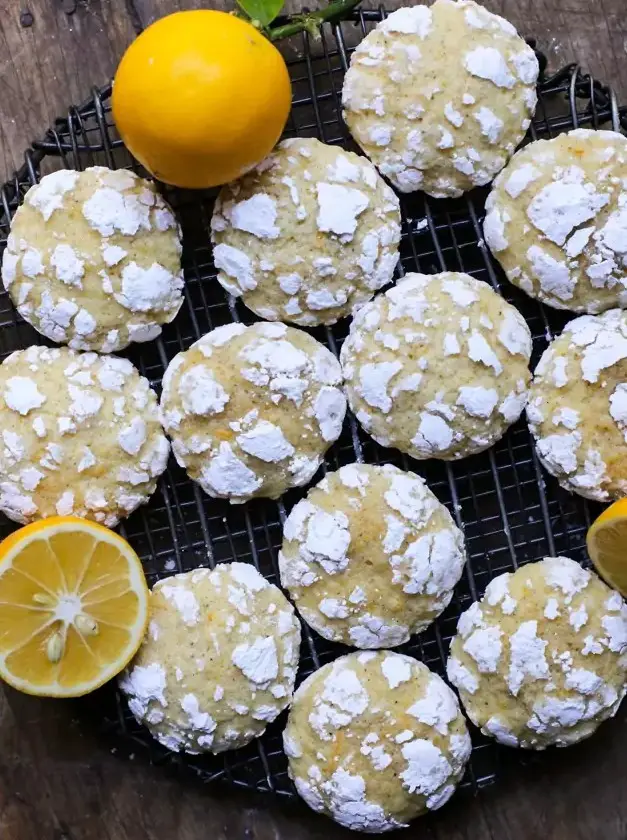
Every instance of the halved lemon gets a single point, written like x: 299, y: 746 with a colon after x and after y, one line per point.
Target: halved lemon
x: 607, y: 545
x: 73, y: 606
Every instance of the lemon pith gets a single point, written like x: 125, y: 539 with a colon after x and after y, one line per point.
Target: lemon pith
x: 73, y: 607
x: 607, y: 545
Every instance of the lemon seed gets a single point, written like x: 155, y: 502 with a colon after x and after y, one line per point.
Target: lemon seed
x: 86, y: 625
x: 55, y: 647
x: 43, y: 599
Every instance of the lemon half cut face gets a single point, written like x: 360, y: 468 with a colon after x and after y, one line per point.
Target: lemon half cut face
x: 73, y: 606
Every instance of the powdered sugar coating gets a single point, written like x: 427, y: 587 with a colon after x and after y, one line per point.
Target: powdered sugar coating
x: 335, y: 229
x: 437, y: 366
x: 219, y: 662
x: 370, y: 556
x: 252, y: 410
x: 540, y: 659
x: 81, y: 436
x: 93, y: 260
x: 577, y: 408
x: 557, y: 220
x: 374, y: 740
x: 440, y: 107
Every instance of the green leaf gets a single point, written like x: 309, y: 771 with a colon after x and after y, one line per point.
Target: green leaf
x: 263, y: 11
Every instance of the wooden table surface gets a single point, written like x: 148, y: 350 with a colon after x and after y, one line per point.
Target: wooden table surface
x: 56, y: 781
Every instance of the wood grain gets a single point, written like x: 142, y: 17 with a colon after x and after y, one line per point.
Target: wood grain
x: 56, y: 781
x: 53, y: 63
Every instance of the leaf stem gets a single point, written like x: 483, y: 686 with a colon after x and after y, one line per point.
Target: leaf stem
x: 312, y: 21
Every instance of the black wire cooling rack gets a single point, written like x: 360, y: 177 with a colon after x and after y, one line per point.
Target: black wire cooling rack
x: 510, y: 512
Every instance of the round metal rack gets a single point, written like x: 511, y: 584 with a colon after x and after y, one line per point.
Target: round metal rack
x: 511, y: 512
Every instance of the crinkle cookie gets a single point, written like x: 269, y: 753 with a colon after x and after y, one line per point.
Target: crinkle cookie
x: 218, y: 662
x: 541, y: 658
x: 308, y: 235
x: 557, y: 220
x: 374, y: 740
x: 252, y: 410
x: 437, y: 366
x: 440, y: 97
x: 577, y: 409
x: 93, y: 259
x: 370, y: 556
x: 80, y: 436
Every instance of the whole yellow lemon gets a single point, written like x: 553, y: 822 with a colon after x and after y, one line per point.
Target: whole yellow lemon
x: 200, y: 97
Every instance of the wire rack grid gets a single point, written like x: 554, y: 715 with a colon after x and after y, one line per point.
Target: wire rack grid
x: 509, y: 512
